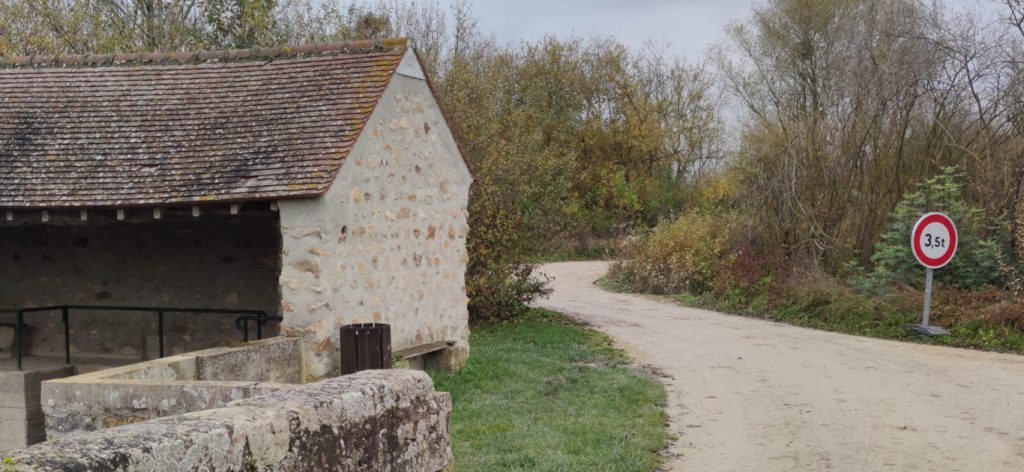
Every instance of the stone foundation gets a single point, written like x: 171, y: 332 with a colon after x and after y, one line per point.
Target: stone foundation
x: 385, y: 420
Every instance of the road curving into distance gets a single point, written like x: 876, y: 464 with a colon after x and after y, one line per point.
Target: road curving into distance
x: 752, y: 395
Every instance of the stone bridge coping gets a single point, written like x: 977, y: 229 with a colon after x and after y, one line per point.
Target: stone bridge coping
x: 372, y: 420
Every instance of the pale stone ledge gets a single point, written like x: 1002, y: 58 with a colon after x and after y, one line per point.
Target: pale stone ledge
x: 174, y: 385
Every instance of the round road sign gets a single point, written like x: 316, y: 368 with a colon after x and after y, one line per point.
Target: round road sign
x: 933, y: 240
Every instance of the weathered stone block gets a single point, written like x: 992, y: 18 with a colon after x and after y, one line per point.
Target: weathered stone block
x: 22, y: 421
x: 11, y: 443
x: 21, y: 388
x: 270, y: 360
x: 389, y: 420
x: 21, y: 415
x: 20, y: 427
x: 451, y: 358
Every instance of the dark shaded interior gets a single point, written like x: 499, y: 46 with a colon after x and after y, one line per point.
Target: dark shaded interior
x: 216, y: 260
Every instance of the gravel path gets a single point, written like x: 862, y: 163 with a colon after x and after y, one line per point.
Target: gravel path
x: 751, y: 395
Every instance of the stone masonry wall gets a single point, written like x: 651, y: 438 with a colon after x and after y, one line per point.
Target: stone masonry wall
x: 213, y: 261
x: 387, y: 242
x: 384, y: 420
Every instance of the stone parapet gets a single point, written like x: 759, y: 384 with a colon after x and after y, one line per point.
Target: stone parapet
x: 201, y: 380
x: 384, y: 420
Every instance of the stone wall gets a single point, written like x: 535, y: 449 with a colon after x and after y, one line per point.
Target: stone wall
x: 214, y: 261
x: 387, y: 242
x: 389, y: 420
x: 200, y: 380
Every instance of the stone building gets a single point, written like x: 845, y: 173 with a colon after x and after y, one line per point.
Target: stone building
x: 320, y: 183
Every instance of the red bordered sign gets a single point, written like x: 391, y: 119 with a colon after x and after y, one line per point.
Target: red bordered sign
x: 934, y: 240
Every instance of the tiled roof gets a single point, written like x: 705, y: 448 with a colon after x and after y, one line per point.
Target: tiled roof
x: 165, y: 129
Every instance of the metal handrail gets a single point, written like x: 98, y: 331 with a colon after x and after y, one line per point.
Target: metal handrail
x: 241, y: 322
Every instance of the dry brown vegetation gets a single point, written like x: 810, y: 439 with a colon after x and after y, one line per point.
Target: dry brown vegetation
x: 858, y: 117
x: 850, y: 104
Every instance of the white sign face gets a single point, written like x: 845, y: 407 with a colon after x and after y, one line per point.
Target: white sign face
x: 934, y: 240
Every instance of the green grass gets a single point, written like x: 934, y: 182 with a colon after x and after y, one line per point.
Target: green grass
x: 987, y: 319
x: 613, y: 283
x: 825, y: 307
x: 543, y: 393
x: 832, y: 308
x: 570, y: 255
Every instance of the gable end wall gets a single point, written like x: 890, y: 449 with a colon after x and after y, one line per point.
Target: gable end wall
x: 387, y: 242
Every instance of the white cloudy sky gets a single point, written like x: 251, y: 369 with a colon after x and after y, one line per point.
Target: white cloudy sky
x: 689, y: 25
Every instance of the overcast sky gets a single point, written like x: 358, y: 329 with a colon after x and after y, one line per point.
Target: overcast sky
x: 689, y: 25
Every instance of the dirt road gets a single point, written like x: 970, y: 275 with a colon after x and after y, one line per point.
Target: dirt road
x: 751, y: 395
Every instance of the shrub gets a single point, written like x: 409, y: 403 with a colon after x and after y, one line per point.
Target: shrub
x: 502, y: 291
x: 1011, y: 256
x: 977, y: 259
x: 691, y: 254
x: 992, y: 307
x: 499, y: 280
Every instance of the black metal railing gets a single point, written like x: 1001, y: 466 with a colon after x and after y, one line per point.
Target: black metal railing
x: 241, y: 322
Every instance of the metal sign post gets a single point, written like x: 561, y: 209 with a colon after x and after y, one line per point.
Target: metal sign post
x: 927, y: 297
x: 933, y: 242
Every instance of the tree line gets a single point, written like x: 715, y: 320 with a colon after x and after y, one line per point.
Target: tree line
x: 854, y: 118
x: 850, y: 104
x: 843, y: 114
